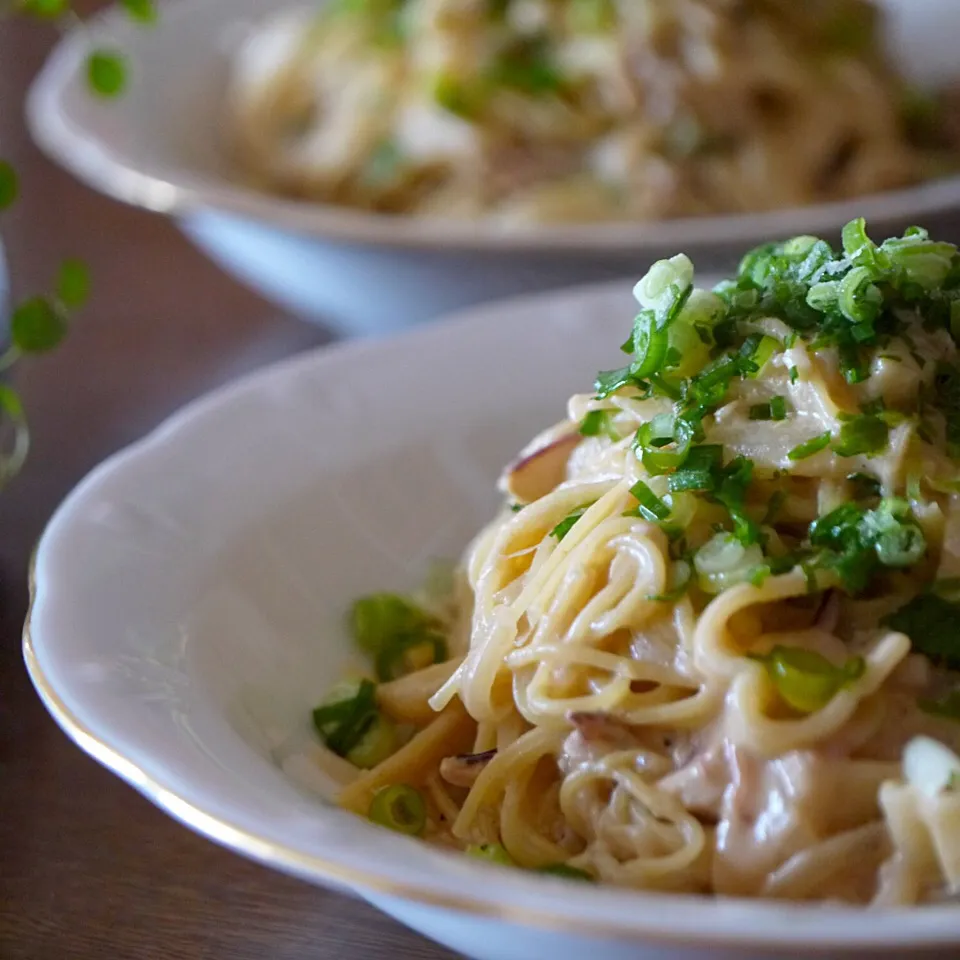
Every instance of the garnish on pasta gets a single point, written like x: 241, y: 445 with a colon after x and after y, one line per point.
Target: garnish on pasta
x: 717, y: 647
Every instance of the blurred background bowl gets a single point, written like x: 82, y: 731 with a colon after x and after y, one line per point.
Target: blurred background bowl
x: 160, y: 147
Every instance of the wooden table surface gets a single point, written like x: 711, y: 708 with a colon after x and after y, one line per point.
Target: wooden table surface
x: 89, y: 870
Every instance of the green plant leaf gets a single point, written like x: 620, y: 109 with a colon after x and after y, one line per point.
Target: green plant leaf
x: 9, y: 184
x: 14, y: 452
x: 45, y: 9
x: 73, y: 284
x: 106, y: 73
x: 37, y: 325
x: 143, y: 11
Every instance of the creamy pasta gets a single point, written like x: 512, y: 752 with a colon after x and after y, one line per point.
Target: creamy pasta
x: 558, y: 110
x: 710, y: 643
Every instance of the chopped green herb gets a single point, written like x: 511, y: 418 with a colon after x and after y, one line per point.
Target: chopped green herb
x: 805, y: 679
x: 810, y: 447
x: 391, y: 629
x: 566, y: 525
x: 858, y: 541
x: 599, y: 423
x: 681, y: 575
x: 651, y: 507
x: 868, y: 435
x: 761, y: 411
x: 663, y: 443
x: 378, y: 619
x: 933, y: 626
x: 378, y: 742
x: 401, y: 808
x: 345, y: 717
x: 794, y: 374
x: 731, y: 491
x: 492, y: 853
x: 778, y: 408
x: 610, y: 381
x: 458, y: 97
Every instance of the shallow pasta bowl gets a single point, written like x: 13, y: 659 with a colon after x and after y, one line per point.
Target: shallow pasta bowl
x: 160, y: 146
x: 188, y: 608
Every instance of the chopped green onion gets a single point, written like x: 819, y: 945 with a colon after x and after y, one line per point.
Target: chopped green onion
x: 680, y: 576
x: 858, y: 247
x: 761, y: 353
x: 731, y: 491
x: 724, y: 561
x: 610, y: 381
x: 691, y: 479
x: 567, y: 872
x: 805, y: 679
x: 933, y: 626
x: 399, y: 657
x: 761, y: 411
x: 860, y: 300
x: 492, y: 852
x: 566, y: 525
x: 794, y: 374
x: 778, y: 408
x: 401, y: 808
x: 651, y: 507
x: 599, y: 422
x: 457, y: 97
x: 663, y: 443
x: 649, y: 345
x: 858, y: 539
x: 377, y: 620
x: 810, y: 447
x: 377, y: 743
x: 868, y: 435
x: 344, y: 718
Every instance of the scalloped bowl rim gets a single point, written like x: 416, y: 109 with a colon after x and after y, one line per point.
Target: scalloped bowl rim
x: 102, y: 165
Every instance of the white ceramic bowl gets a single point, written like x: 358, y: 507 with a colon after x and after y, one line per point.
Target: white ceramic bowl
x: 160, y: 147
x: 189, y: 596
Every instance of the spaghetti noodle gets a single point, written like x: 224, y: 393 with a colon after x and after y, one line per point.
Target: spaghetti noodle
x: 713, y: 634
